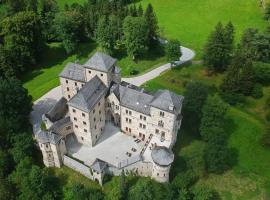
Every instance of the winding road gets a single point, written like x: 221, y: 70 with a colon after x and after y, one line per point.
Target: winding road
x: 45, y: 103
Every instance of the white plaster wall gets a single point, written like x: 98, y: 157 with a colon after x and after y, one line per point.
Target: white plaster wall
x: 134, y: 124
x: 69, y: 88
x: 160, y: 174
x: 104, y: 76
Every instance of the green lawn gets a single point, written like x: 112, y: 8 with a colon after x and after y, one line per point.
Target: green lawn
x: 45, y: 77
x: 249, y: 177
x: 191, y: 21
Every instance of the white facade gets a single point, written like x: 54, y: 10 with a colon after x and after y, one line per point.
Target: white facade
x: 153, y: 125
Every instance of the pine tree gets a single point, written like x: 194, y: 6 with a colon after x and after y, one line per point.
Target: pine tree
x: 267, y: 12
x: 247, y: 78
x: 140, y: 11
x: 152, y: 22
x: 218, y: 49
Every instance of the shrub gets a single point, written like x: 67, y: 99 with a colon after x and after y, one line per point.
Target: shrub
x: 267, y: 103
x: 265, y: 141
x: 262, y: 73
x: 233, y: 98
x: 134, y: 72
x: 268, y: 116
x: 257, y: 91
x: 203, y: 193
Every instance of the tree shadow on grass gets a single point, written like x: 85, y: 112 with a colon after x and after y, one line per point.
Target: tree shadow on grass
x: 54, y: 54
x: 152, y: 54
x: 230, y: 126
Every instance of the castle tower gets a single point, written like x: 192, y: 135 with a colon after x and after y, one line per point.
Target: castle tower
x: 162, y: 159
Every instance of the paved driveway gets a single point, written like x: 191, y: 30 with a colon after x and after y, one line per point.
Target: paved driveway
x: 187, y: 55
x: 45, y: 103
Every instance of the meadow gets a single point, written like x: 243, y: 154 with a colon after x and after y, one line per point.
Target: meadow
x: 191, y: 21
x: 250, y: 175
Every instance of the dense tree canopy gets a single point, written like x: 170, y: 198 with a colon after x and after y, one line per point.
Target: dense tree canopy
x: 136, y: 36
x: 22, y: 41
x: 195, y: 96
x: 70, y: 27
x: 218, y: 49
x: 173, y: 50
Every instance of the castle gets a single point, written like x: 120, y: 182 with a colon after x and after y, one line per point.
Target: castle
x: 104, y: 126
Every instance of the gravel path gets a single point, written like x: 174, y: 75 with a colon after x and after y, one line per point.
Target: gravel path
x: 187, y: 55
x: 45, y: 103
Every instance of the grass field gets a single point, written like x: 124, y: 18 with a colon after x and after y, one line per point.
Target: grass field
x: 249, y: 177
x: 191, y: 21
x: 45, y: 76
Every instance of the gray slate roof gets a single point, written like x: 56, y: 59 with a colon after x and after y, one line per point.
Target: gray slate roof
x: 134, y: 98
x: 137, y: 99
x: 58, y: 111
x: 73, y: 71
x: 89, y: 95
x: 164, y: 99
x: 44, y: 137
x: 162, y: 156
x: 100, y: 62
x: 59, y: 124
x: 99, y: 165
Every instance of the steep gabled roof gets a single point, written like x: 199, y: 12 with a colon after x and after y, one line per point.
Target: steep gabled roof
x: 73, y: 71
x: 167, y: 101
x: 99, y: 165
x: 89, y: 95
x: 100, y: 62
x: 44, y: 137
x: 58, y: 111
x: 135, y: 99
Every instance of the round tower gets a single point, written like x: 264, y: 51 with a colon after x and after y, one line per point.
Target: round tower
x: 162, y: 159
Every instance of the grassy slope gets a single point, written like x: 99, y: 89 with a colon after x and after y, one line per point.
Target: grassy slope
x: 45, y: 76
x: 191, y: 21
x: 248, y: 178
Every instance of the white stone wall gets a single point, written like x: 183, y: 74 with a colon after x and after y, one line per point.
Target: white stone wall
x: 88, y: 127
x: 47, y: 154
x: 135, y: 123
x: 113, y: 109
x: 104, y: 76
x: 160, y: 174
x: 70, y: 87
x: 162, y: 124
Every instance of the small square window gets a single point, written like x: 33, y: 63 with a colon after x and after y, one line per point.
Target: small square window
x: 94, y: 111
x: 67, y: 88
x: 144, y: 118
x: 84, y: 123
x: 100, y: 112
x: 126, y: 111
x: 83, y: 114
x: 76, y: 126
x: 101, y: 74
x: 94, y: 119
x: 75, y: 118
x: 82, y: 138
x: 66, y: 81
x: 73, y: 110
x: 85, y: 130
x: 75, y: 83
x: 98, y: 103
x: 89, y: 72
x: 130, y: 113
x: 161, y: 114
x: 69, y: 96
x: 95, y: 126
